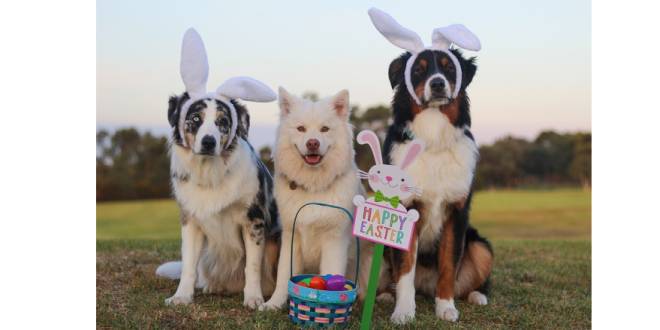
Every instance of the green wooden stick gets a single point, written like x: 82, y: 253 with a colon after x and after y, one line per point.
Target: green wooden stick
x: 369, y: 302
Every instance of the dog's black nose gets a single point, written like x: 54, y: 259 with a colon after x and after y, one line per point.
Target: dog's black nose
x: 208, y: 142
x: 437, y: 84
x: 313, y: 144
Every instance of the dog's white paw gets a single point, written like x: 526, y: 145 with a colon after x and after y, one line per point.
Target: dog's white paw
x: 178, y: 300
x: 253, y: 302
x: 445, y: 310
x: 272, y: 305
x: 477, y: 298
x: 403, y: 314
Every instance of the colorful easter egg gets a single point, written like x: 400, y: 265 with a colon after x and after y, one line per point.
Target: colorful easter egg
x: 335, y: 283
x: 317, y: 283
x: 305, y: 282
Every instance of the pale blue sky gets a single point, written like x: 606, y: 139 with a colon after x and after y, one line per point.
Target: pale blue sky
x: 534, y: 66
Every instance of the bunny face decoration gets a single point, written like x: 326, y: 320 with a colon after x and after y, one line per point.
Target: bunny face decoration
x: 446, y: 78
x: 210, y: 131
x: 390, y: 180
x: 382, y: 218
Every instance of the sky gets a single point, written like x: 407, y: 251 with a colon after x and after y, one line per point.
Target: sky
x: 534, y: 66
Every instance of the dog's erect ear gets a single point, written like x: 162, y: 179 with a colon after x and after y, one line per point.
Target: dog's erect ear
x: 286, y: 101
x: 172, y: 114
x: 395, y: 71
x: 340, y: 104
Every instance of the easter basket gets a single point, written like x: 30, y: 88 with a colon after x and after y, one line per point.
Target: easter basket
x: 309, y: 307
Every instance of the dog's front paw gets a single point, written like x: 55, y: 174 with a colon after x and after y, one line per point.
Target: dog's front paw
x: 272, y: 304
x: 253, y: 301
x: 403, y: 314
x: 178, y: 300
x: 445, y: 310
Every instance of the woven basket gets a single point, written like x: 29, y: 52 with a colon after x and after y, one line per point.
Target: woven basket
x: 310, y: 307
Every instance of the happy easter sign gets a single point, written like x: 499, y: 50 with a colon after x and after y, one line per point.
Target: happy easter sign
x: 383, y: 224
x: 382, y: 218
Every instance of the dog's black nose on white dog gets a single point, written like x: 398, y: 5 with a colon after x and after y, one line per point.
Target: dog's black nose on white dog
x: 437, y: 85
x: 208, y: 143
x: 313, y: 144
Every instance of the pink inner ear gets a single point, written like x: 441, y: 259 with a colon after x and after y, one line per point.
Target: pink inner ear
x: 371, y: 139
x: 413, y: 151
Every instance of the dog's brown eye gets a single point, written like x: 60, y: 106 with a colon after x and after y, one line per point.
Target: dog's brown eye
x: 403, y: 180
x: 325, y: 129
x: 301, y: 129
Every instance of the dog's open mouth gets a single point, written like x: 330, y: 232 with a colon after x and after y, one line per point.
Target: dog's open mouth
x: 312, y: 159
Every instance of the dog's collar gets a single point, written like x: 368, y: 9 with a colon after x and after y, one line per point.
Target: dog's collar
x: 293, y: 185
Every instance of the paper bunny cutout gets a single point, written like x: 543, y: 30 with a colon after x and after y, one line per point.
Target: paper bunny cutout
x: 441, y: 39
x: 195, y: 72
x: 390, y: 183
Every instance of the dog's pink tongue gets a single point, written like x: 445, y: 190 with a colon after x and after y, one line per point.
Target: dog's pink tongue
x: 312, y: 159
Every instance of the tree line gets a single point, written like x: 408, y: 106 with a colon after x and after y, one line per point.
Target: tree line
x: 135, y: 165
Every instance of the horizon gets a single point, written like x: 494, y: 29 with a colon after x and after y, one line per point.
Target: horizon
x: 534, y: 68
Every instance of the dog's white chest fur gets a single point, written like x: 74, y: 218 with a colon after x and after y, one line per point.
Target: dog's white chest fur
x: 211, y: 186
x: 444, y: 171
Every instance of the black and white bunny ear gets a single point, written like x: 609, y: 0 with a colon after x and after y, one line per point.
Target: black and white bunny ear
x: 457, y: 34
x: 246, y: 88
x: 394, y: 32
x: 194, y: 64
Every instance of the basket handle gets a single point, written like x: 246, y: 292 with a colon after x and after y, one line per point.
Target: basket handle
x: 350, y: 218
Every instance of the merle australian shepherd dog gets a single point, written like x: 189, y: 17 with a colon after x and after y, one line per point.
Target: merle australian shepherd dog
x: 230, y: 228
x: 448, y: 258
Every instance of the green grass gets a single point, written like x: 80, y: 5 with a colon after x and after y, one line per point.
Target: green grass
x: 541, y: 279
x: 510, y: 214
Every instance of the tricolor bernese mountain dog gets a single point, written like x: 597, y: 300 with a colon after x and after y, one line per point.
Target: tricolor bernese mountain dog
x: 448, y: 258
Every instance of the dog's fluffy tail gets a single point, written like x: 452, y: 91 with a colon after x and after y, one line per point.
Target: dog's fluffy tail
x: 171, y: 270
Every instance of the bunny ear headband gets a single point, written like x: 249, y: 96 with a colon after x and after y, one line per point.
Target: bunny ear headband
x: 195, y: 73
x: 442, y: 38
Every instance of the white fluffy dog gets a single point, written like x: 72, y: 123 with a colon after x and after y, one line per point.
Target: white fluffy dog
x: 314, y: 162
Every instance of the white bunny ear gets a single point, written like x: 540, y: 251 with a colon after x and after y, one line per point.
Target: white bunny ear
x: 370, y: 138
x: 246, y: 88
x: 194, y: 64
x: 394, y: 32
x: 458, y: 34
x: 414, y: 149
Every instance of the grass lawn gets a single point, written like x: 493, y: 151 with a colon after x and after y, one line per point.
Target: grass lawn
x: 542, y: 275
